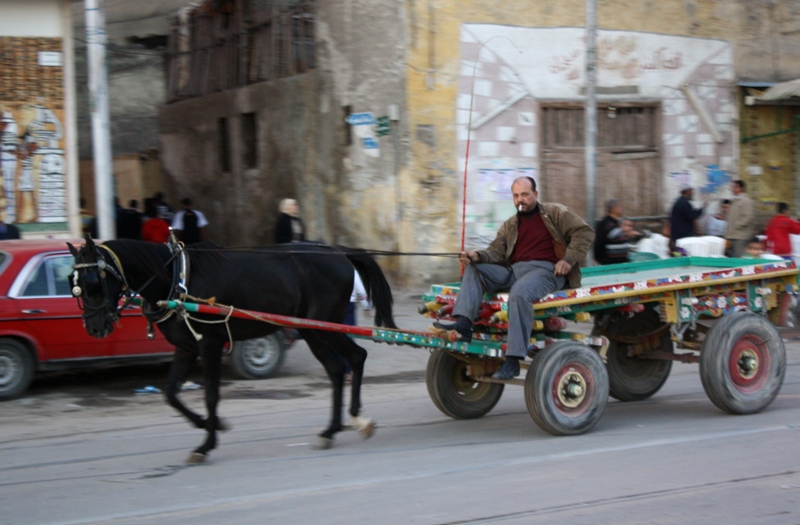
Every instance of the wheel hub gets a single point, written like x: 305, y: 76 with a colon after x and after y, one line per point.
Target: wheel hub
x: 748, y: 364
x: 571, y: 389
x: 7, y: 370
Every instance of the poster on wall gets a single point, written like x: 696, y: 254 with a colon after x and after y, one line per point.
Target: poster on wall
x: 32, y: 138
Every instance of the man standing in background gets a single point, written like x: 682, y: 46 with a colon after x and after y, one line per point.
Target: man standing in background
x: 741, y: 227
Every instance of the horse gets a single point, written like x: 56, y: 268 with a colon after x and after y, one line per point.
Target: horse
x: 306, y: 280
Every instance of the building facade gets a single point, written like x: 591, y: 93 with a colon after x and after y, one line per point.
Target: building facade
x: 405, y: 130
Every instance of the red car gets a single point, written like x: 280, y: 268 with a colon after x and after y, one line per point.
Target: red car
x: 41, y: 327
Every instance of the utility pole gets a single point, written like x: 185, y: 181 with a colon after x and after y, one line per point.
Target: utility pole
x: 98, y: 101
x: 590, y: 111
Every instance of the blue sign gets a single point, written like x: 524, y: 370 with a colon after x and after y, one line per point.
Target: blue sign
x: 360, y: 119
x: 369, y: 143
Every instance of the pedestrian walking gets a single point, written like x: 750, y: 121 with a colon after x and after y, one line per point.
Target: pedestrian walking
x: 189, y: 223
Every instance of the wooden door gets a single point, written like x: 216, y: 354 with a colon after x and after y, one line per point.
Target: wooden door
x: 628, y: 157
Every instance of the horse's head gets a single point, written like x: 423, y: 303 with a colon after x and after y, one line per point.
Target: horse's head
x: 98, y: 283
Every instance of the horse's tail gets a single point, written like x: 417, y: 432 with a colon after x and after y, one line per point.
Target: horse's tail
x: 375, y: 284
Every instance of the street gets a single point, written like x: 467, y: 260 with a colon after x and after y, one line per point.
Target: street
x: 84, y: 448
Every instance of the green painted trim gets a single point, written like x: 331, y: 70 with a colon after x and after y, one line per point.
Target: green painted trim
x: 41, y: 227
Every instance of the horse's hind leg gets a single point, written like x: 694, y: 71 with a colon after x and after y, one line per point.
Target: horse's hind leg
x: 178, y: 372
x: 357, y: 356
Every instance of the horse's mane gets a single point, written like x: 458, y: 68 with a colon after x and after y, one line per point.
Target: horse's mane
x: 149, y: 257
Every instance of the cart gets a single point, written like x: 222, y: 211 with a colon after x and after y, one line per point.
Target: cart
x: 631, y: 322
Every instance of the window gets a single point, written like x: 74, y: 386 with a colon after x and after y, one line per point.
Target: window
x: 249, y: 140
x: 224, y: 145
x: 51, y: 278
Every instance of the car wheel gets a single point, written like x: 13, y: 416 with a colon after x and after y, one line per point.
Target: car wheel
x: 258, y: 358
x: 16, y: 369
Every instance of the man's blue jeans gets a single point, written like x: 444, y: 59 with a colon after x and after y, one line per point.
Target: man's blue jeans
x: 526, y: 282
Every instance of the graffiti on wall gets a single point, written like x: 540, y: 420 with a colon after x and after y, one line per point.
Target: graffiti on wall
x: 508, y: 72
x: 32, y: 139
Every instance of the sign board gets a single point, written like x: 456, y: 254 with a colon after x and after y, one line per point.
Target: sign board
x: 360, y: 119
x: 384, y: 126
x: 50, y: 58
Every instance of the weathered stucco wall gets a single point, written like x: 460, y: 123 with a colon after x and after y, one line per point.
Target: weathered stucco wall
x: 297, y: 158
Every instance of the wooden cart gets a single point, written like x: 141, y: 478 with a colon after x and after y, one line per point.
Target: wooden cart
x: 644, y: 316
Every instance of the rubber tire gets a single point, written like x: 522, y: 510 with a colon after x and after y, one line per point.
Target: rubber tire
x: 259, y: 358
x: 632, y: 378
x: 16, y: 369
x: 544, y: 375
x: 455, y: 394
x: 715, y: 363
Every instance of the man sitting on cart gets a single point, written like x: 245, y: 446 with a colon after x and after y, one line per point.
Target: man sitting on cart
x: 536, y: 252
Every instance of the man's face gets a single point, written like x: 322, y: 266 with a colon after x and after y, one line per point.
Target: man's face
x: 724, y: 209
x: 736, y: 189
x: 524, y: 196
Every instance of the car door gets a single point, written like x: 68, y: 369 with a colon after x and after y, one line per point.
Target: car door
x: 132, y: 335
x: 49, y: 313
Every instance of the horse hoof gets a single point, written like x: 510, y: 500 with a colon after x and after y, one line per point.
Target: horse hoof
x: 196, y: 458
x: 364, y: 425
x: 323, y: 443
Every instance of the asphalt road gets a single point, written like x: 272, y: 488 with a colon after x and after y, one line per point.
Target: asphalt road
x: 84, y: 448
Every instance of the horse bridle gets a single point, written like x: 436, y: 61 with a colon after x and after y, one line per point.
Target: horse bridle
x: 103, y: 269
x: 180, y: 279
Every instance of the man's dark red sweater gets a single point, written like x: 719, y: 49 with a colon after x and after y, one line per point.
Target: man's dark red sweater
x: 534, y: 242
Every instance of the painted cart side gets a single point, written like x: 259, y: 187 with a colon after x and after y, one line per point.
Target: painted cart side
x: 716, y: 309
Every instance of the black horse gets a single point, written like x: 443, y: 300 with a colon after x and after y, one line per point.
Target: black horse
x: 312, y: 281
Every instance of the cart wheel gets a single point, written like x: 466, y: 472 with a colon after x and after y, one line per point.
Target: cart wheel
x: 742, y: 363
x: 634, y: 378
x: 454, y: 393
x: 567, y: 389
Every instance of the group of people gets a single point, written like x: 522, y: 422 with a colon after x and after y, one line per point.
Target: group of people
x: 154, y: 223
x: 735, y: 221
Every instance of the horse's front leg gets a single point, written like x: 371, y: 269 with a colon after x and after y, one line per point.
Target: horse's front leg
x: 212, y: 365
x: 178, y: 373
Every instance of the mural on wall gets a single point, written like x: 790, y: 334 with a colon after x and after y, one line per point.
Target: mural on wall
x: 32, y: 140
x: 507, y: 72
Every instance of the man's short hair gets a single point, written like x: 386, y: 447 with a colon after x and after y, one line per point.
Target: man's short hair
x: 725, y: 201
x: 782, y: 207
x: 740, y: 183
x: 753, y: 240
x: 530, y: 179
x: 611, y: 204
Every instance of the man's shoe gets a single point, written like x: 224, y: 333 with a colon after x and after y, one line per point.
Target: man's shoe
x: 462, y: 325
x: 509, y: 370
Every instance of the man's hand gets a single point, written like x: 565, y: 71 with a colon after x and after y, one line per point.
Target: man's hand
x: 562, y: 267
x: 469, y: 256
